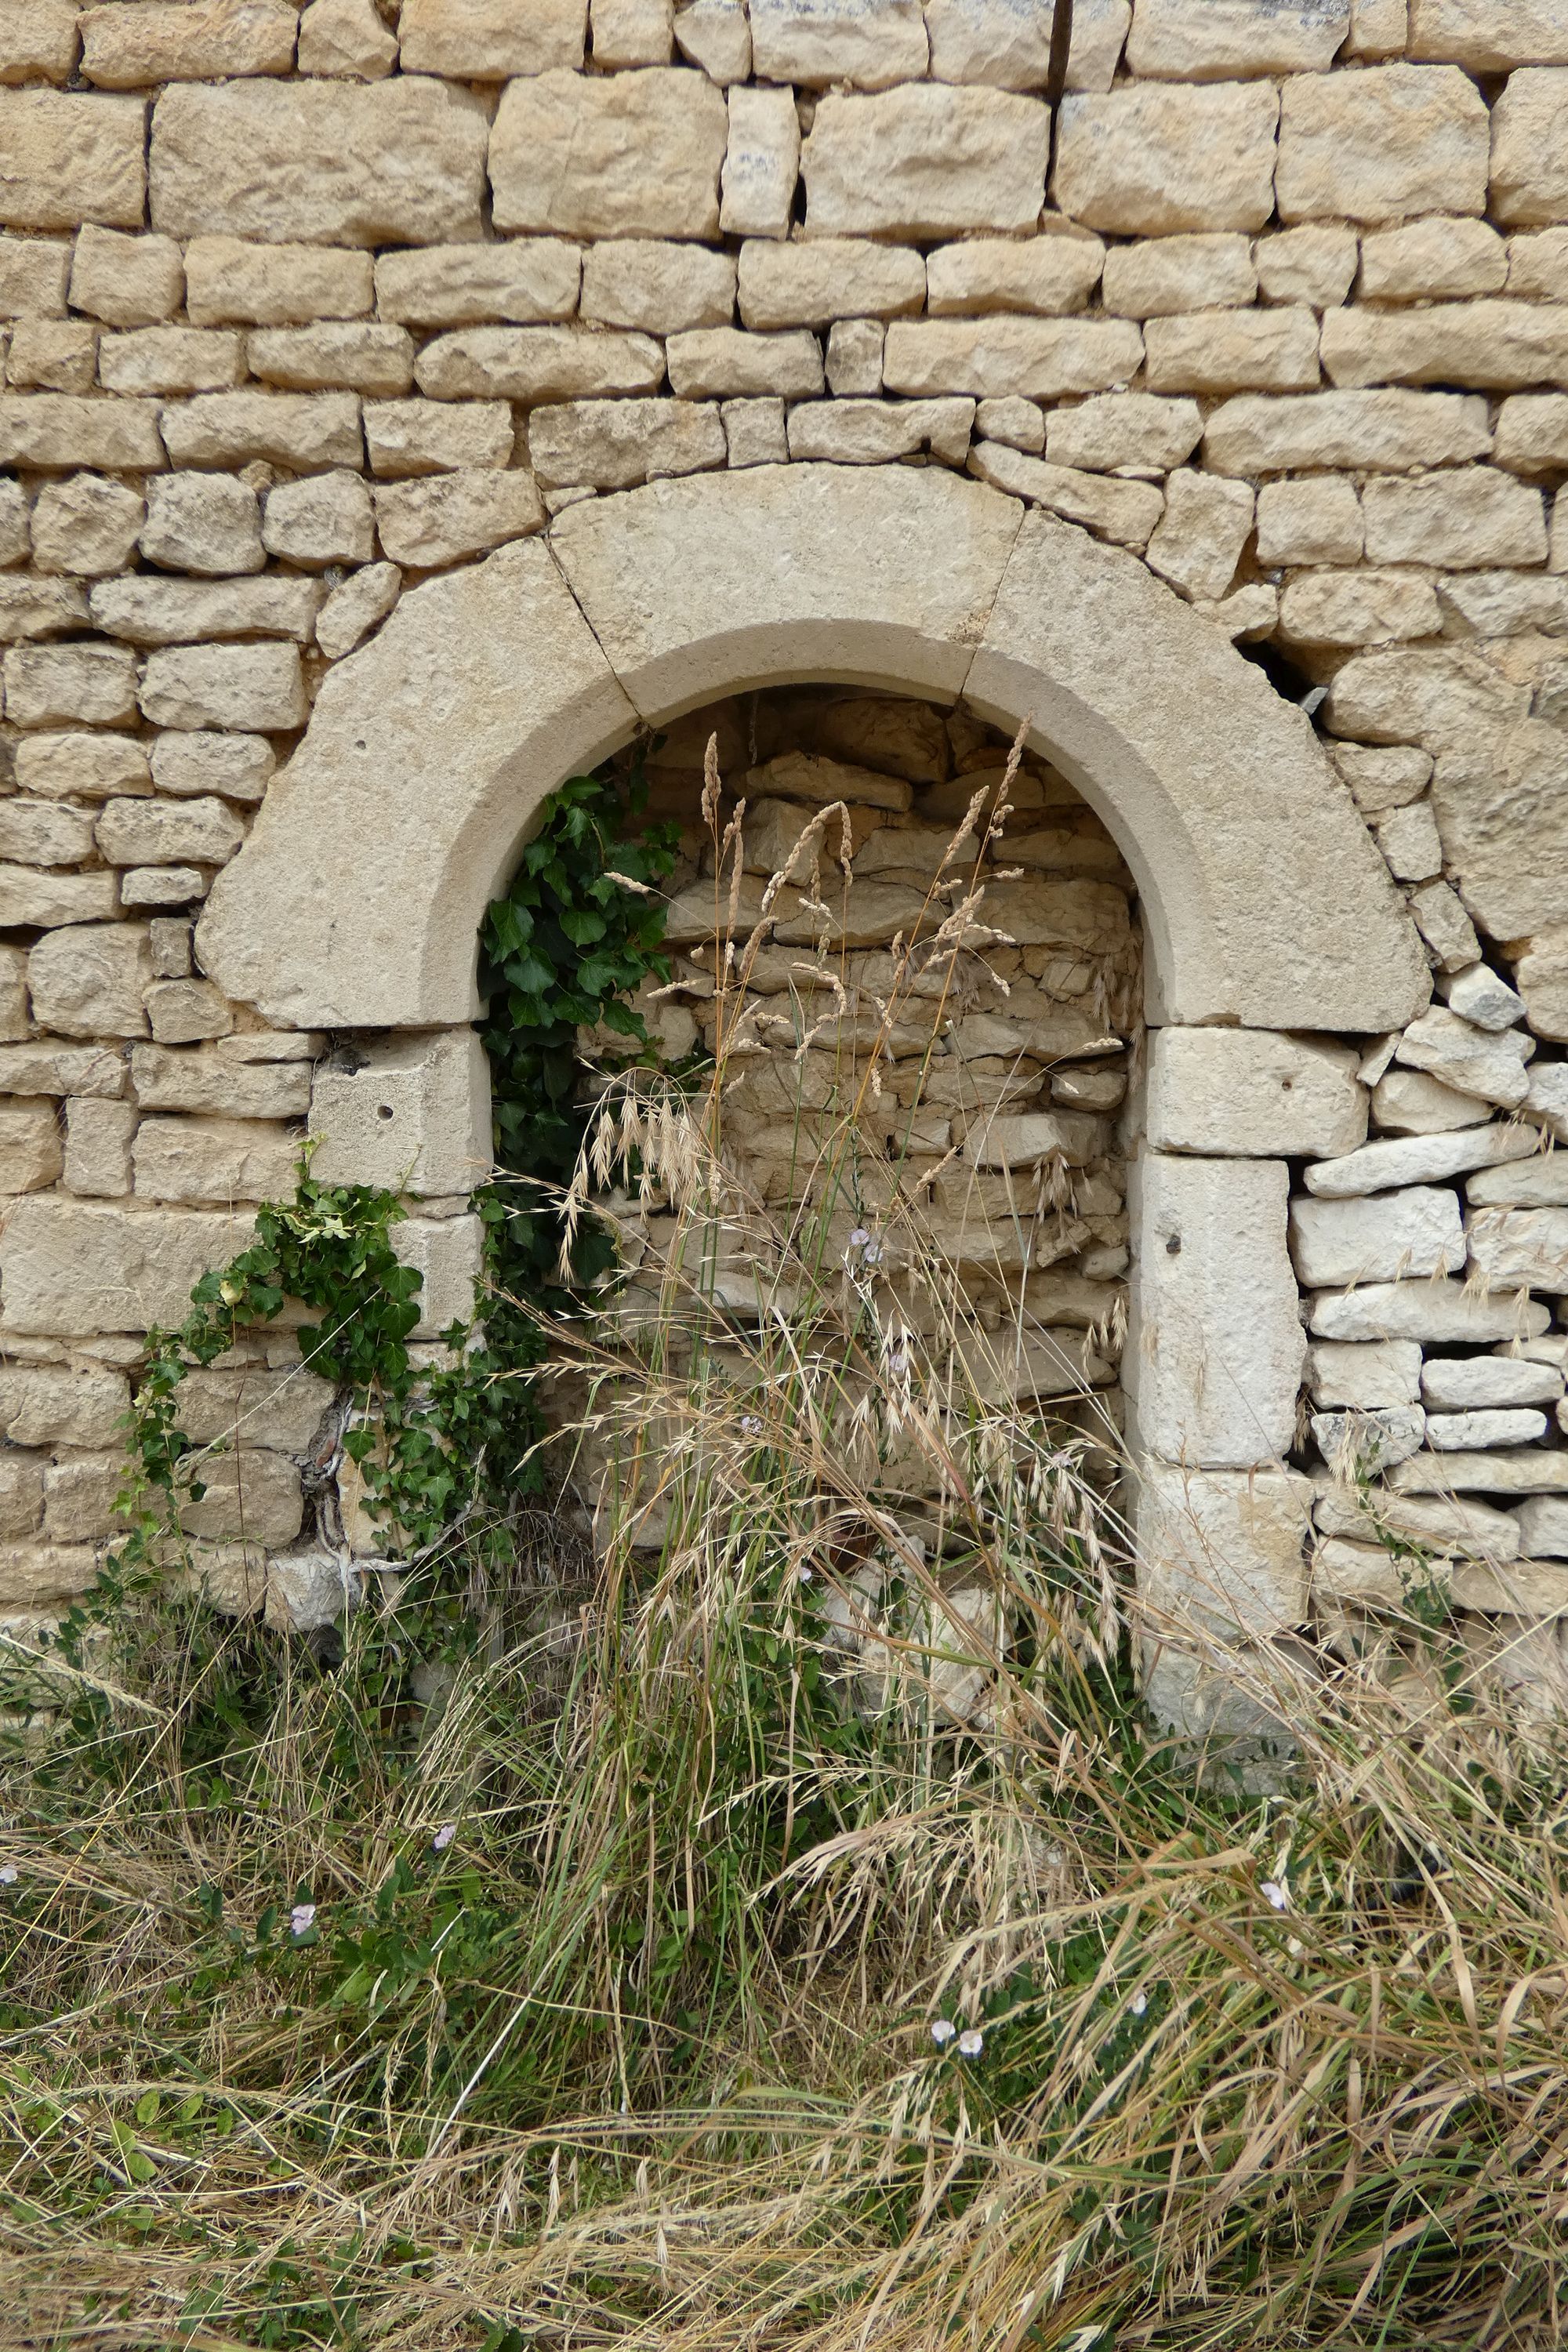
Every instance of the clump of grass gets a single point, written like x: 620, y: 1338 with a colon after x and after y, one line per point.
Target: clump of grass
x: 780, y: 1928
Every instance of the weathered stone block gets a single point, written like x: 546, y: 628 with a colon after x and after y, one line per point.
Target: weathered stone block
x: 166, y: 1078
x: 353, y: 353
x: 1214, y: 1357
x: 126, y: 281
x: 255, y: 688
x: 1119, y: 429
x: 850, y: 432
x: 301, y: 429
x: 129, y: 47
x: 1206, y: 525
x: 632, y: 33
x: 1167, y: 275
x: 656, y: 287
x: 97, y: 1146
x: 74, y: 1270
x: 426, y: 523
x: 1393, y: 1238
x: 1223, y: 40
x: 68, y: 157
x: 1532, y: 433
x: 42, y: 1406
x: 1364, y: 1374
x: 151, y: 611
x: 1520, y: 1245
x: 814, y: 282
x: 31, y: 835
x: 538, y: 363
x: 488, y: 40
x: 1313, y: 521
x: 30, y: 609
x: 1431, y: 1311
x: 1224, y: 1550
x: 405, y: 437
x: 31, y: 1154
x: 450, y: 1254
x: 1481, y: 1383
x: 1462, y: 520
x: 399, y: 161
x: 38, y: 1574
x: 711, y: 361
x: 274, y: 285
x: 53, y: 354
x: 1498, y: 807
x: 1048, y: 274
x: 206, y: 523
x: 614, y: 443
x: 1529, y: 149
x: 354, y: 606
x: 627, y: 155
x: 1505, y: 345
x: 927, y: 161
x: 1008, y: 43
x: 202, y: 1159
x: 1373, y: 432
x: 469, y: 285
x: 54, y: 429
x: 251, y: 1493
x: 1233, y: 351
x: 1383, y: 144
x: 867, y: 44
x: 1146, y: 161
x: 52, y: 1069
x: 39, y: 41
x: 52, y: 686
x: 1490, y: 36
x: 1433, y: 260
x: 1253, y: 1094
x: 1312, y: 264
x: 1040, y: 359
x: 33, y: 276
x: 324, y: 518
x: 345, y: 36
x: 414, y: 1118
x: 160, y: 833
x: 88, y: 525
x: 762, y: 164
x: 88, y: 980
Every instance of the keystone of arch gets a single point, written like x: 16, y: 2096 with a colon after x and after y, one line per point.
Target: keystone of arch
x: 357, y: 899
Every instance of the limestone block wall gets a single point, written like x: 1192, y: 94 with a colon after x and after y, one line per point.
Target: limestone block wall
x: 300, y: 308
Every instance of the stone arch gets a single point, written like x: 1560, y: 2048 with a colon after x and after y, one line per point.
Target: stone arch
x: 356, y: 900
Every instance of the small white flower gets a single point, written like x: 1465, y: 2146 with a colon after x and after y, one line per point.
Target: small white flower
x: 7, y: 1874
x: 1139, y: 2003
x: 1276, y: 1895
x: 301, y: 1918
x: 872, y: 1254
x: 444, y: 1837
x: 971, y: 2043
x: 805, y: 1576
x: 1295, y: 1947
x: 942, y: 2031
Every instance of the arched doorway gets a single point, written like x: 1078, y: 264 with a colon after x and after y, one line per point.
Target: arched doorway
x: 1270, y: 919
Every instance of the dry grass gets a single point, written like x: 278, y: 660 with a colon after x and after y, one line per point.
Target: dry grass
x: 838, y: 1739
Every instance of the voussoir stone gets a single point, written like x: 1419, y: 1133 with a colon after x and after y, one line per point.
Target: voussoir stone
x: 1147, y: 160
x: 398, y: 162
x: 631, y: 155
x: 925, y: 159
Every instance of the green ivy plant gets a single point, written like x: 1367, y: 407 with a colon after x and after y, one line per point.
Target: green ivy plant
x: 573, y: 936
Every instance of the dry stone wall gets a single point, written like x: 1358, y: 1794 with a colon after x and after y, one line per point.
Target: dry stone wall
x: 301, y: 306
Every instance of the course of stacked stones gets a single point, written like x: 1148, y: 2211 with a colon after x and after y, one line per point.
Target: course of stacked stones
x: 302, y: 307
x: 948, y: 1095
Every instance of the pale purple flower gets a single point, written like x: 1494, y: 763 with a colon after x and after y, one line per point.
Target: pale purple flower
x: 872, y: 1254
x: 444, y: 1837
x: 7, y: 1874
x: 859, y: 1237
x: 301, y: 1920
x: 971, y: 2043
x: 750, y: 1425
x: 942, y: 2031
x: 1276, y: 1895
